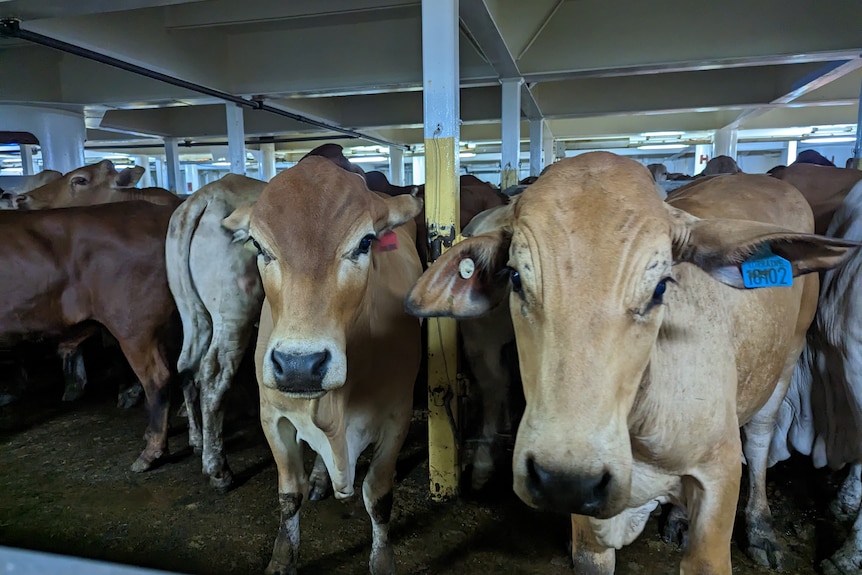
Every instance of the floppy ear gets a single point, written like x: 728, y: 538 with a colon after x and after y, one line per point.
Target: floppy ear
x: 238, y: 223
x: 129, y: 177
x: 488, y: 220
x: 391, y: 212
x: 465, y: 281
x: 720, y: 246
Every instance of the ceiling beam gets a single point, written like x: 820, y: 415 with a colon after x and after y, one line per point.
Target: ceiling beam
x: 480, y: 28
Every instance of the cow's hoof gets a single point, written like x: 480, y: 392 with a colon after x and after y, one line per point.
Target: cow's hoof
x: 320, y: 487
x: 847, y: 502
x: 276, y: 568
x: 382, y: 561
x: 675, y: 530
x: 222, y: 481
x: 765, y: 552
x: 148, y: 460
x: 131, y: 396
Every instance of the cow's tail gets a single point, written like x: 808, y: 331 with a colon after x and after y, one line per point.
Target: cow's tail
x: 197, y: 330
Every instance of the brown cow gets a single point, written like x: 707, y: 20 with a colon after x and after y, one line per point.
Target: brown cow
x: 640, y: 357
x: 105, y: 264
x: 336, y: 355
x: 95, y: 184
x: 824, y: 187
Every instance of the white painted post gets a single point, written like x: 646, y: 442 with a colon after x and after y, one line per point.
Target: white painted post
x: 235, y: 138
x: 172, y: 161
x: 418, y: 170
x: 267, y: 162
x: 146, y: 180
x: 702, y: 154
x: 511, y: 131
x: 396, y: 166
x: 26, y: 159
x: 537, y: 145
x: 724, y: 143
x: 193, y: 180
x: 440, y: 97
x: 790, y: 152
x: 548, y: 148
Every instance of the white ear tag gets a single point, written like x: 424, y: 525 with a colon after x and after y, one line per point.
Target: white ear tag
x: 466, y: 268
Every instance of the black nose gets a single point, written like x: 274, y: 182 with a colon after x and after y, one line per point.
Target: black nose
x: 300, y: 373
x: 557, y: 491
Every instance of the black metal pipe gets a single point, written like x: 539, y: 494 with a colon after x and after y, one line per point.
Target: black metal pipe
x: 11, y: 28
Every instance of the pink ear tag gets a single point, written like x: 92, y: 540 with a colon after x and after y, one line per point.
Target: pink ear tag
x: 388, y: 242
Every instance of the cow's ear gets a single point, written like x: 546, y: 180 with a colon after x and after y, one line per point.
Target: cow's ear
x: 466, y: 281
x: 720, y: 246
x: 129, y: 177
x: 238, y: 223
x: 489, y: 220
x: 394, y: 211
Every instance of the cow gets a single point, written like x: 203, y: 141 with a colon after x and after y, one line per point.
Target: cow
x: 658, y: 171
x: 820, y: 415
x: 813, y: 157
x: 97, y: 183
x: 336, y: 354
x: 720, y: 165
x: 10, y: 195
x: 824, y: 187
x: 217, y: 290
x: 65, y: 268
x: 640, y: 354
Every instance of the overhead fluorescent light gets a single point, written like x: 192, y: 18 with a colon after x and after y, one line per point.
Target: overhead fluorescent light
x: 829, y: 140
x: 663, y: 147
x: 467, y: 155
x: 221, y: 164
x: 661, y: 134
x: 369, y: 159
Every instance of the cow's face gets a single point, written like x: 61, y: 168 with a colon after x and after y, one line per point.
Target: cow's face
x: 88, y: 185
x: 315, y: 230
x: 588, y: 252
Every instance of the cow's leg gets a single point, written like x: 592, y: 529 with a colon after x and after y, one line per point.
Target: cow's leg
x: 319, y: 480
x: 849, y: 498
x: 711, y: 495
x: 493, y: 379
x: 292, y: 488
x: 763, y: 546
x: 74, y: 373
x: 589, y: 557
x: 147, y: 360
x: 191, y: 394
x: 218, y: 367
x: 377, y: 495
x: 848, y: 559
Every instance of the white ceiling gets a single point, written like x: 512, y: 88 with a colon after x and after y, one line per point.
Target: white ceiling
x: 593, y: 69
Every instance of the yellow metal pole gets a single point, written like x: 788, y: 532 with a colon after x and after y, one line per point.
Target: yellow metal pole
x: 440, y: 99
x: 442, y: 200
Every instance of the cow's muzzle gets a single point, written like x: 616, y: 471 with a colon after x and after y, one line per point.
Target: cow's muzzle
x: 559, y: 491
x: 300, y: 374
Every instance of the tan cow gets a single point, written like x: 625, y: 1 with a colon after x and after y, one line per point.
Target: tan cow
x: 10, y: 196
x: 95, y: 184
x: 824, y: 187
x: 217, y: 289
x: 640, y: 356
x: 337, y: 355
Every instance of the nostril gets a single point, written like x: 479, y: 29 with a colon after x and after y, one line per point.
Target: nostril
x: 321, y: 364
x: 278, y: 364
x: 602, y: 486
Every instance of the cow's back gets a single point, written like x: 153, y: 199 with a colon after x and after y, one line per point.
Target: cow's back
x: 823, y: 187
x: 763, y: 326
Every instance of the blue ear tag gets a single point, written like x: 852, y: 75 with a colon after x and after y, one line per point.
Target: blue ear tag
x: 765, y: 269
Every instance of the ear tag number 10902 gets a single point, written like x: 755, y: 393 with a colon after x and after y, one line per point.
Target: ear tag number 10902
x: 765, y: 269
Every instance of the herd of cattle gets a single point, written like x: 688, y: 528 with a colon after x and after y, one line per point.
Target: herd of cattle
x: 729, y: 304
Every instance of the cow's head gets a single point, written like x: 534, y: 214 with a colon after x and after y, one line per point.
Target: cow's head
x: 314, y: 230
x: 588, y: 251
x: 88, y: 185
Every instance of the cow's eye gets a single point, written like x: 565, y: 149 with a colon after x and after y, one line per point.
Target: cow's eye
x: 658, y: 293
x: 364, y: 245
x: 260, y: 252
x: 79, y: 181
x: 515, y: 278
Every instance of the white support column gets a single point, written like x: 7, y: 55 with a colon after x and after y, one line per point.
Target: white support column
x: 537, y: 141
x: 235, y: 138
x: 724, y: 143
x: 440, y: 97
x: 396, y: 166
x: 703, y: 153
x: 172, y: 162
x: 159, y: 178
x: 193, y: 180
x: 60, y: 133
x: 267, y: 162
x: 511, y: 120
x: 559, y: 150
x: 548, y: 148
x: 790, y: 152
x: 418, y: 170
x: 26, y: 159
x: 146, y: 180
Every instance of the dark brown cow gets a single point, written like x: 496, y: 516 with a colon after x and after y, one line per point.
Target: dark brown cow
x: 105, y: 264
x: 824, y: 187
